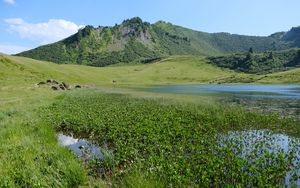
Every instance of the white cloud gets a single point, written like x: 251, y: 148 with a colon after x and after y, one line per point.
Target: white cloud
x: 11, y: 2
x: 44, y: 33
x: 12, y: 49
x: 14, y: 21
x: 67, y: 140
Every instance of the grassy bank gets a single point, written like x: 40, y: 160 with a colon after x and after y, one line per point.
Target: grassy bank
x: 30, y: 155
x: 165, y: 142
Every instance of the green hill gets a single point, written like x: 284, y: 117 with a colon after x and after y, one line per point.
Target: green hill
x: 138, y: 41
x: 264, y: 62
x: 16, y: 70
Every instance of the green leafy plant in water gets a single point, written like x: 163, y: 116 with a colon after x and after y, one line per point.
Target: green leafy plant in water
x: 177, y: 144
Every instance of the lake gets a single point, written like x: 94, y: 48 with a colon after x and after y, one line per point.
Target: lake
x: 245, y: 90
x: 283, y: 99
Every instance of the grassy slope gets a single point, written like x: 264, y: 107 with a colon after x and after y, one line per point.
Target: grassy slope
x: 25, y: 73
x: 285, y: 77
x: 181, y: 69
x: 19, y: 76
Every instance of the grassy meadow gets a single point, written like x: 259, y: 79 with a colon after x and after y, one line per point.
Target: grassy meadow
x: 149, y: 140
x: 171, y: 70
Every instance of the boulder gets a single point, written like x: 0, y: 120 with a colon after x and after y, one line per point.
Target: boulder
x: 50, y: 81
x: 66, y: 85
x: 55, y: 88
x: 41, y: 83
x: 55, y: 82
x: 61, y: 86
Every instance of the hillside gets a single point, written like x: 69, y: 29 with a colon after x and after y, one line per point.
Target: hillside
x: 135, y: 40
x: 25, y: 72
x: 179, y: 69
x: 264, y: 62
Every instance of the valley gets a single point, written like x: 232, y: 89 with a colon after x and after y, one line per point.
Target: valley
x: 141, y: 134
x: 190, y: 94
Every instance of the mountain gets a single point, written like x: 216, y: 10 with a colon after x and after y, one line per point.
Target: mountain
x: 135, y: 40
x: 292, y: 36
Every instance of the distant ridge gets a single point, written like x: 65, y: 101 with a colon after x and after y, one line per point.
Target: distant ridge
x: 138, y: 41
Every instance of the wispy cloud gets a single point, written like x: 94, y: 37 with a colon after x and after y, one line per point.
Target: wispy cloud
x: 12, y: 49
x: 43, y: 33
x: 11, y: 2
x: 14, y: 21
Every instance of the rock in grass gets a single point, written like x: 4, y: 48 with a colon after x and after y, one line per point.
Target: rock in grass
x: 66, y: 85
x: 55, y: 82
x: 55, y: 88
x: 41, y: 83
x: 61, y: 86
x: 50, y: 81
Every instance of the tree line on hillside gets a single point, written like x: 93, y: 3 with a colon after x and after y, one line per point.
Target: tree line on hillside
x: 265, y: 62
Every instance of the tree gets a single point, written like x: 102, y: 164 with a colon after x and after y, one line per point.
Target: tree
x: 297, y: 58
x: 271, y: 56
x: 251, y: 50
x: 249, y: 55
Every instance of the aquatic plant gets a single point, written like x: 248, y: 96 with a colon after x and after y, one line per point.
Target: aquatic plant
x: 178, y: 145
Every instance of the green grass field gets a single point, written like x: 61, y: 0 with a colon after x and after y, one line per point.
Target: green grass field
x: 174, y: 70
x: 171, y: 70
x: 134, y: 121
x: 286, y: 77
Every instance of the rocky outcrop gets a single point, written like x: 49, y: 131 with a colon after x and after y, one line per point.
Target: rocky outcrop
x: 57, y: 86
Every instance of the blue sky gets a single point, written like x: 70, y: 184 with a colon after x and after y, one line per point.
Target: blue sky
x: 28, y: 24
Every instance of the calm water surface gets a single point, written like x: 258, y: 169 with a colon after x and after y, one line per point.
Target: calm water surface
x: 245, y: 90
x: 284, y: 99
x: 80, y: 146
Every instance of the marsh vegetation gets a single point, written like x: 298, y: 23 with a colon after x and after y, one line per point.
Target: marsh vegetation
x: 180, y: 145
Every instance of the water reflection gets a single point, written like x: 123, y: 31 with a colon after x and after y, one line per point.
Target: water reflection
x: 282, y: 99
x: 255, y: 144
x: 266, y: 91
x: 81, y: 147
